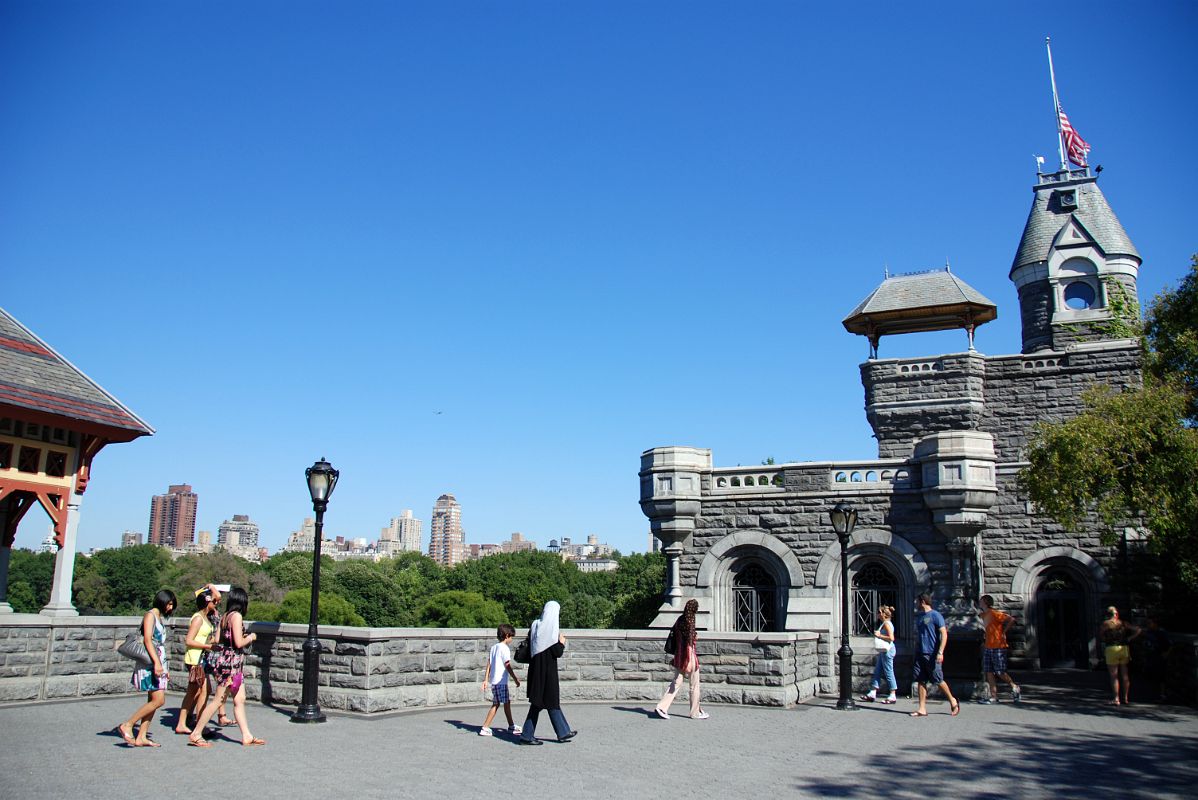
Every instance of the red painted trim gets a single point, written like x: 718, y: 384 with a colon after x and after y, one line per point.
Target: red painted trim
x: 108, y: 432
x: 49, y: 402
x: 24, y: 346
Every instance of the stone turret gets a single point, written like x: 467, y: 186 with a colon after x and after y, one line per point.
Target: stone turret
x: 1075, y: 268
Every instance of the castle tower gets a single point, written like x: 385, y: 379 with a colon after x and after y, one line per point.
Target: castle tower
x: 1075, y: 268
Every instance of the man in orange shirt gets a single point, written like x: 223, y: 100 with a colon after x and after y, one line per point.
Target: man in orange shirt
x: 994, y: 654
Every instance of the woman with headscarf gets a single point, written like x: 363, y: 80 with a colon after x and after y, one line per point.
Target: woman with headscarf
x: 546, y: 644
x: 685, y: 661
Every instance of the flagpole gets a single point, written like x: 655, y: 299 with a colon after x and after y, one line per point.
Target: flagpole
x: 1056, y: 104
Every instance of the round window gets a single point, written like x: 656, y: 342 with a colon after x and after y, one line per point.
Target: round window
x: 1079, y: 295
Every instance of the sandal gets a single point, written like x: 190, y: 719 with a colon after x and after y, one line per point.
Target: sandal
x: 128, y: 737
x: 224, y: 721
x: 919, y: 713
x: 956, y: 709
x: 198, y: 743
x: 255, y: 742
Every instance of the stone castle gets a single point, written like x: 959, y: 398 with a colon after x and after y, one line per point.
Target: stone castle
x: 939, y: 509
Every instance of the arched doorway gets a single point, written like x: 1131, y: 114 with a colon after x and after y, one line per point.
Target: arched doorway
x: 755, y: 597
x: 874, y: 586
x: 1061, y: 628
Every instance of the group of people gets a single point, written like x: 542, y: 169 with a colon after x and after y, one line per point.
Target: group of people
x: 214, y: 659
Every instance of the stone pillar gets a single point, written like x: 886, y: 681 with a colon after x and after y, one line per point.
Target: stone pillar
x: 671, y: 480
x: 5, y: 554
x: 60, y: 604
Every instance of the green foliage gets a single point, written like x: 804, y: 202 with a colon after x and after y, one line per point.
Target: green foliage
x: 521, y: 582
x: 294, y: 570
x: 581, y: 610
x: 1171, y: 330
x: 1128, y: 457
x: 263, y: 612
x: 373, y: 593
x: 333, y: 609
x: 132, y: 576
x: 23, y: 599
x: 637, y: 587
x: 458, y: 609
x: 190, y: 572
x: 35, y: 572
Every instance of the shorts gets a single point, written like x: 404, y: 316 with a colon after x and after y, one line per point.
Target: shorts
x: 1117, y: 654
x: 927, y: 670
x: 499, y: 693
x: 994, y: 660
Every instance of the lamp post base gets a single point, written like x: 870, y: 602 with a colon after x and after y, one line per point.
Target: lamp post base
x: 308, y: 714
x: 846, y: 703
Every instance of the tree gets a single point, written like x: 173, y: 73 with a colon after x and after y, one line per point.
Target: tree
x: 294, y: 570
x: 637, y: 587
x: 1172, y: 334
x: 334, y: 609
x: 132, y: 576
x: 35, y: 573
x: 372, y: 592
x: 581, y: 610
x: 458, y: 609
x: 1128, y: 457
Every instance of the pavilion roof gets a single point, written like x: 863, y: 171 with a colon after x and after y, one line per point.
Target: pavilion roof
x: 920, y: 301
x: 34, y: 377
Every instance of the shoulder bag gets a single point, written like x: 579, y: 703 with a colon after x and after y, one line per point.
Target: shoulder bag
x: 135, y: 648
x: 523, y: 653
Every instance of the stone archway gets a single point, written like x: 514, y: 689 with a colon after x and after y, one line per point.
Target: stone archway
x: 750, y: 562
x: 1060, y: 588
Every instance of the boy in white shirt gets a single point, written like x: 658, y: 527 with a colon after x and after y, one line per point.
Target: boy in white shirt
x: 499, y: 666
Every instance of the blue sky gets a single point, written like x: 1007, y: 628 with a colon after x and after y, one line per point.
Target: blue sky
x: 498, y: 249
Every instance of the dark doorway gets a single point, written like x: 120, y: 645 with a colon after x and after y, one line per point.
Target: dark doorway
x: 1061, y: 626
x: 754, y: 598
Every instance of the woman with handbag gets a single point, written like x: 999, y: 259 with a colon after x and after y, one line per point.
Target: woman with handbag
x: 884, y: 665
x: 686, y: 662
x: 150, y: 677
x: 199, y: 641
x: 547, y: 644
x: 227, y: 667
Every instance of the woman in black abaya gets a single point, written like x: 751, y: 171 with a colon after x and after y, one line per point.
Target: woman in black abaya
x: 546, y: 643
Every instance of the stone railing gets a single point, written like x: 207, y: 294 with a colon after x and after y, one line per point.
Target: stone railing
x: 746, y: 480
x: 371, y: 670
x: 869, y: 473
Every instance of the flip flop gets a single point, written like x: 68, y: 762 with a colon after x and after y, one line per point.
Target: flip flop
x: 255, y: 742
x: 150, y: 743
x: 199, y: 743
x: 128, y: 737
x: 956, y: 709
x: 919, y: 714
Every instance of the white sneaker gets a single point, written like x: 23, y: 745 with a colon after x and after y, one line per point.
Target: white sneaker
x: 515, y: 730
x: 701, y: 715
x: 484, y: 732
x: 661, y: 713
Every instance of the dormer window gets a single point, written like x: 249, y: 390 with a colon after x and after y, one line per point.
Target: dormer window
x: 1080, y: 295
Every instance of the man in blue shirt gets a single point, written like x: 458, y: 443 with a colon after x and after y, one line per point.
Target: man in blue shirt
x: 933, y: 637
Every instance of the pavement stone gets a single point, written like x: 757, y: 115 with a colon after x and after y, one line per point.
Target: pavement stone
x: 1051, y: 745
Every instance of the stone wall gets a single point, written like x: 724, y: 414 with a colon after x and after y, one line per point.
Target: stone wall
x: 370, y: 670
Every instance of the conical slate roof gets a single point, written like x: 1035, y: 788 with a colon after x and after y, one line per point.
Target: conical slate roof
x: 1047, y: 217
x: 36, y: 378
x: 920, y: 301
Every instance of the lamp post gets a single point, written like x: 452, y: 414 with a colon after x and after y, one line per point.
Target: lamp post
x: 322, y: 478
x: 844, y: 519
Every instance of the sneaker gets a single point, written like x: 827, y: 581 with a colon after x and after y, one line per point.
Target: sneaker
x: 1016, y: 695
x: 485, y: 732
x: 987, y: 701
x: 661, y: 713
x: 701, y: 715
x: 515, y: 730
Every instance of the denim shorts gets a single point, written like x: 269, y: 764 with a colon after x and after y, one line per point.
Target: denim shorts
x: 994, y: 660
x: 927, y: 670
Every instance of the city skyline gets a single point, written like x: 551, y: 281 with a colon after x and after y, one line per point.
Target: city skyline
x: 500, y: 252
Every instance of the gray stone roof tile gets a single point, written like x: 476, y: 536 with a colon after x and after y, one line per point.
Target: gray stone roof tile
x: 1047, y: 218
x: 933, y: 289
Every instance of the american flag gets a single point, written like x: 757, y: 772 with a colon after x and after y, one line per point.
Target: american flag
x: 1075, y: 145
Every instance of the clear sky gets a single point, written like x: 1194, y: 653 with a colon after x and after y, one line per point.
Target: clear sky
x: 498, y: 249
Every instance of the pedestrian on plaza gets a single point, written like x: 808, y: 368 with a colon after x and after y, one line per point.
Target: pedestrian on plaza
x: 1156, y: 649
x: 685, y: 661
x: 929, y: 661
x: 884, y: 665
x: 150, y: 678
x: 227, y: 670
x: 995, y: 649
x: 198, y: 641
x: 1115, y: 635
x: 546, y: 645
x: 499, y: 667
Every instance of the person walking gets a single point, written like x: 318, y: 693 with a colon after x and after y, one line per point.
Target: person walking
x: 227, y: 670
x: 685, y: 661
x: 198, y: 641
x: 995, y: 649
x: 1115, y: 635
x: 150, y: 678
x: 933, y: 638
x: 884, y: 665
x: 499, y: 667
x: 546, y: 645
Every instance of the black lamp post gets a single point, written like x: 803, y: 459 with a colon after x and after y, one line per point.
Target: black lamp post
x: 322, y: 478
x: 844, y: 519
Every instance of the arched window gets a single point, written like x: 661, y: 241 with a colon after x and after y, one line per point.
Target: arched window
x: 754, y: 599
x: 873, y: 586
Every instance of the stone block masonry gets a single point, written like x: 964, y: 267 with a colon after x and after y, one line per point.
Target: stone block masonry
x: 374, y: 670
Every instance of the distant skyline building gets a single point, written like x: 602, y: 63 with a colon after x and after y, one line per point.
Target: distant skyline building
x: 518, y: 544
x: 304, y: 539
x: 130, y: 538
x: 173, y: 517
x: 204, y: 540
x: 403, y: 534
x: 238, y: 532
x: 447, y: 540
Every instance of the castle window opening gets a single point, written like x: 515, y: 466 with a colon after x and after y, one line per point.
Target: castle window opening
x: 754, y: 599
x: 874, y: 586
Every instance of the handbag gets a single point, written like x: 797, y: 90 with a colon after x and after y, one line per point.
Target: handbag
x: 671, y: 643
x: 523, y: 652
x: 881, y: 645
x: 133, y: 647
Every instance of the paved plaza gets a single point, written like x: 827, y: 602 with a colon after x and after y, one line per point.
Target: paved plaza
x: 1057, y: 743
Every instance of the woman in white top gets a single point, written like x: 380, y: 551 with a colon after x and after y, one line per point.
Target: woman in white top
x: 884, y: 666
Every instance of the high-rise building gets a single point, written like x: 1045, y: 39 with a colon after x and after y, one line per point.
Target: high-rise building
x: 204, y: 540
x: 517, y: 544
x: 173, y: 517
x: 130, y: 539
x: 304, y: 539
x: 238, y: 532
x: 447, y: 540
x: 404, y: 533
